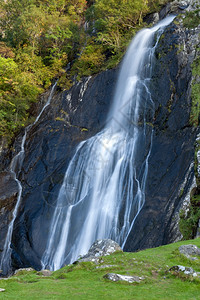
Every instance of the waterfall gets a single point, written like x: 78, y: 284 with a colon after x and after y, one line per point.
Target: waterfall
x: 15, y: 169
x: 103, y: 189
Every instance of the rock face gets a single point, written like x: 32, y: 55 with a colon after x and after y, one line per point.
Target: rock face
x: 8, y: 197
x: 100, y: 248
x: 78, y: 114
x: 171, y: 166
x: 73, y: 116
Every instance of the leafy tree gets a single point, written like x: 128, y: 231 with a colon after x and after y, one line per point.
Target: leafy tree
x: 17, y: 92
x: 40, y: 38
x: 90, y: 60
x: 111, y: 18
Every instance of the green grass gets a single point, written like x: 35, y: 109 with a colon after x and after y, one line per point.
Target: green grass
x: 85, y: 281
x: 195, y: 107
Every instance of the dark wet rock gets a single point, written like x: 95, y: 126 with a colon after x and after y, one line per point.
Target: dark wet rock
x: 176, y: 7
x: 8, y: 190
x: 151, y: 18
x: 189, y: 250
x: 171, y: 165
x: 8, y: 198
x: 119, y: 277
x: 184, y: 270
x: 100, y: 248
x: 72, y: 117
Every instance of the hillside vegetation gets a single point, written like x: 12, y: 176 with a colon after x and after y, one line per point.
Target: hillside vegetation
x: 39, y: 39
x: 86, y: 281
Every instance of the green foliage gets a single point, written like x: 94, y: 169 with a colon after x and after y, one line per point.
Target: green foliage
x: 188, y: 223
x: 90, y: 60
x: 112, y: 20
x: 17, y: 92
x: 39, y: 38
x: 192, y: 19
x: 195, y: 108
x: 114, y: 23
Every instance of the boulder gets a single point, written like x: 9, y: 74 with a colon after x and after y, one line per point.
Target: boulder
x: 184, y: 270
x: 189, y: 250
x: 22, y: 270
x: 119, y: 277
x: 100, y: 248
x: 45, y: 273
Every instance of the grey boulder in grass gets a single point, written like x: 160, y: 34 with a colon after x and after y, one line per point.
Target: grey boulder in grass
x: 119, y: 277
x: 189, y: 251
x: 100, y: 248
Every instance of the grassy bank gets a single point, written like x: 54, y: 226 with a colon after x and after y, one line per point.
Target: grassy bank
x: 85, y: 280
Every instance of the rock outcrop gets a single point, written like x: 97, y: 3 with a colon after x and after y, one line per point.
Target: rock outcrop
x: 8, y: 198
x: 171, y: 166
x: 100, y: 248
x: 190, y: 251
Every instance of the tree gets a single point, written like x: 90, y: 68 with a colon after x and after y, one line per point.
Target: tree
x: 17, y: 91
x: 111, y: 19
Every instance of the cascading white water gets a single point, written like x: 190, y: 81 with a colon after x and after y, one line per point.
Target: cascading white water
x: 104, y: 186
x: 15, y: 168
